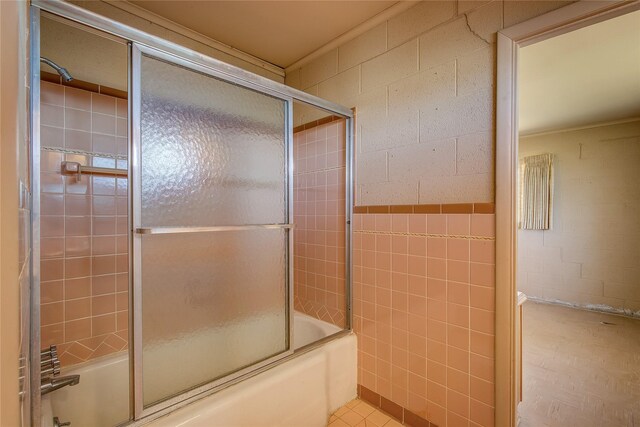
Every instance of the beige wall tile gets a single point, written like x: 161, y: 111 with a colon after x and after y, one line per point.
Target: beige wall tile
x: 51, y: 137
x: 452, y: 189
x: 372, y: 167
x: 363, y: 47
x: 51, y: 93
x: 377, y: 193
x: 393, y: 65
x: 319, y: 69
x: 431, y: 158
x: 448, y: 42
x: 475, y: 153
x: 486, y: 21
x: 418, y: 19
x: 77, y: 98
x: 457, y: 116
x: 475, y: 71
x: 103, y: 104
x: 77, y: 119
x: 52, y: 115
x: 342, y: 88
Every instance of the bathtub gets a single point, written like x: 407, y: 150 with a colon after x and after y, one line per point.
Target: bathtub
x: 302, y: 391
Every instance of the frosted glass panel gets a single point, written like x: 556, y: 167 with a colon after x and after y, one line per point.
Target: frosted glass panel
x: 212, y: 152
x: 212, y: 303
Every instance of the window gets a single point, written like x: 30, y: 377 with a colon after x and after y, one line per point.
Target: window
x: 536, y: 192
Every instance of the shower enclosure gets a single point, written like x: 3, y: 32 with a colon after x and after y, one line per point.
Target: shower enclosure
x: 210, y: 218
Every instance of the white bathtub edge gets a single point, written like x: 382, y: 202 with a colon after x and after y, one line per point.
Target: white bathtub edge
x: 301, y: 392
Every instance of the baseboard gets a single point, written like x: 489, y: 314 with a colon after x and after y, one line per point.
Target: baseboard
x: 600, y: 308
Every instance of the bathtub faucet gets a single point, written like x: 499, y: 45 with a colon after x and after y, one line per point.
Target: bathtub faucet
x: 53, y: 384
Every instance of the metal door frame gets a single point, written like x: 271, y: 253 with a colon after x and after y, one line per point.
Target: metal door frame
x: 142, y: 41
x: 135, y: 104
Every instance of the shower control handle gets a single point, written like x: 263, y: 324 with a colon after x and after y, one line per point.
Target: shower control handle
x: 49, y: 362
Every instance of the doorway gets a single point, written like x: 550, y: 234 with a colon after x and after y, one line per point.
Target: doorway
x: 512, y: 45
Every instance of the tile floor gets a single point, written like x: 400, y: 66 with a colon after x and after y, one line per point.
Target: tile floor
x: 358, y: 413
x: 579, y: 371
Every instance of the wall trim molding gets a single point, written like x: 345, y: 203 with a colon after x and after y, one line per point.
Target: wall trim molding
x: 577, y: 128
x: 557, y: 22
x: 598, y: 308
x: 84, y: 85
x: 381, y: 17
x: 140, y: 12
x: 445, y: 208
x: 399, y: 413
x: 316, y: 123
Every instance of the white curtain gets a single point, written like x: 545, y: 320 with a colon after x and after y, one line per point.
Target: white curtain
x: 536, y: 192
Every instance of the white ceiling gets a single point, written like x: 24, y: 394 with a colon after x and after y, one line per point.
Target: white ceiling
x: 279, y: 32
x: 583, y: 77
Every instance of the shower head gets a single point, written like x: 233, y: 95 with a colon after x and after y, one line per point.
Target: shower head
x: 61, y: 70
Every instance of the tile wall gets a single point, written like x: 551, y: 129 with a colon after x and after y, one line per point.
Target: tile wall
x: 424, y: 313
x: 84, y: 260
x: 319, y: 217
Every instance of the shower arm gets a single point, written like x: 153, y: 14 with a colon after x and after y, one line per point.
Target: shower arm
x: 64, y: 73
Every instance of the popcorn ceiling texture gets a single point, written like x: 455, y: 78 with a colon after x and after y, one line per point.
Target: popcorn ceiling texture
x: 423, y: 84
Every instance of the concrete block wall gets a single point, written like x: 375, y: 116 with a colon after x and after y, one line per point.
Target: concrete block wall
x: 591, y: 255
x: 423, y: 87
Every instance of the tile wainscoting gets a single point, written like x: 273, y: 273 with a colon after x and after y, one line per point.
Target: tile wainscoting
x: 424, y: 313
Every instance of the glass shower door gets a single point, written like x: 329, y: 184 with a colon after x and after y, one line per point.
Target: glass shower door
x: 211, y: 219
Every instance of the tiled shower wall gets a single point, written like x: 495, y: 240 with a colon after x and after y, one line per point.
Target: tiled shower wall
x: 319, y: 217
x: 84, y: 260
x: 424, y: 313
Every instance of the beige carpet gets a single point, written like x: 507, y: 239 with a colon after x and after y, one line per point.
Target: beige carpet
x: 578, y: 371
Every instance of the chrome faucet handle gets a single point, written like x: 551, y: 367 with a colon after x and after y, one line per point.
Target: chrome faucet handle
x: 49, y: 362
x: 57, y: 423
x: 52, y: 369
x: 49, y: 353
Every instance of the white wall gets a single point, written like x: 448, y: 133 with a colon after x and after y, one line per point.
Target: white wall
x: 592, y: 254
x: 423, y: 87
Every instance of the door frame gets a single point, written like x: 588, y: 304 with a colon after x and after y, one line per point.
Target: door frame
x: 137, y: 51
x: 510, y: 40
